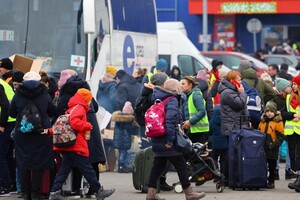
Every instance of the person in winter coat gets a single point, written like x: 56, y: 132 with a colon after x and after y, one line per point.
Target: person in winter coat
x: 157, y: 79
x: 33, y: 150
x: 215, y: 80
x: 233, y: 105
x: 202, y: 79
x: 219, y: 142
x: 128, y: 89
x: 175, y: 73
x: 69, y: 84
x: 249, y: 76
x: 271, y: 124
x: 291, y: 116
x: 78, y: 154
x: 163, y: 147
x: 138, y: 74
x: 195, y: 120
x: 283, y: 88
x: 106, y: 94
x: 6, y: 70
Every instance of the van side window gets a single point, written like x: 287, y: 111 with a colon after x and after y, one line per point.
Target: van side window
x: 185, y: 63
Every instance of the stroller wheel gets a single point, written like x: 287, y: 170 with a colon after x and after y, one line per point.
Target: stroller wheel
x: 178, y: 188
x: 220, y: 187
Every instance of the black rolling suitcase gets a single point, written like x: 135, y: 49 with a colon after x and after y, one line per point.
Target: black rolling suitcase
x: 141, y: 169
x: 247, y: 159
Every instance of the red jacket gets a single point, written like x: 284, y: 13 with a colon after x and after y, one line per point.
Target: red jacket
x: 79, y: 123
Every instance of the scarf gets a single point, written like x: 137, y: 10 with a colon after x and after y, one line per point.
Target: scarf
x: 294, y: 102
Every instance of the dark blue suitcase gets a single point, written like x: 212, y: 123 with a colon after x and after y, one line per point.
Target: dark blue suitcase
x: 247, y: 159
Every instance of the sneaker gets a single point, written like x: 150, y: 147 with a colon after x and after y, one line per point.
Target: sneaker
x: 289, y: 174
x: 102, y: 194
x: 124, y: 169
x: 4, y: 192
x: 56, y: 196
x: 73, y: 195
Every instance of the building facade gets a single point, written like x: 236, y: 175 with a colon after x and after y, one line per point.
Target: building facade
x: 228, y: 19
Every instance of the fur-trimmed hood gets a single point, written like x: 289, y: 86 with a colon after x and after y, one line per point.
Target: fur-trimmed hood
x: 277, y: 117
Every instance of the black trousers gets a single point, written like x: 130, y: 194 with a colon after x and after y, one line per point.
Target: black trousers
x: 31, y: 182
x: 272, y: 168
x: 294, y: 150
x: 159, y: 164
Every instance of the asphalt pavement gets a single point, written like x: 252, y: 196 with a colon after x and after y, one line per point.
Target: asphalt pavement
x: 125, y: 190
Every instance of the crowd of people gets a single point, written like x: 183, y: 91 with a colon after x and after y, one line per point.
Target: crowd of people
x: 206, y: 106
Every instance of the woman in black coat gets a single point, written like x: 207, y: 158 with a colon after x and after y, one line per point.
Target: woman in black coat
x: 34, y: 149
x: 95, y: 143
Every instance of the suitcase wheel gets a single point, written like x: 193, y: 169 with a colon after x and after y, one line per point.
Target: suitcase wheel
x: 297, y: 190
x: 178, y: 188
x: 220, y: 187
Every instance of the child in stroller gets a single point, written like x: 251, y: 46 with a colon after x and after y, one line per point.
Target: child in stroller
x: 201, y: 168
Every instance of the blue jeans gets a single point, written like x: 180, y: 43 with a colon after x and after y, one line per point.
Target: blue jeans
x: 69, y: 160
x: 122, y: 157
x: 6, y: 143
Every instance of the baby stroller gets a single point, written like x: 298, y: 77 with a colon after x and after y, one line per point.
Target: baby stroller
x: 201, y: 168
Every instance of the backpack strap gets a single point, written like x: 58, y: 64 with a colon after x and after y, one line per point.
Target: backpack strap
x: 72, y: 109
x: 255, y: 82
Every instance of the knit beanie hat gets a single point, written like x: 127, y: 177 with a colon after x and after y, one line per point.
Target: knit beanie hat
x: 159, y: 78
x: 32, y: 76
x: 6, y: 63
x: 296, y: 80
x: 111, y: 70
x: 85, y: 94
x: 282, y: 83
x: 127, y: 109
x: 162, y: 65
x: 65, y: 75
x: 271, y: 106
x: 17, y: 77
x: 173, y: 85
x: 201, y: 75
x: 244, y: 64
x: 120, y: 74
x: 215, y: 63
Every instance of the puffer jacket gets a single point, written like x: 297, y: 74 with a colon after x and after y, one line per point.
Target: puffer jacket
x: 172, y: 119
x: 106, y: 95
x: 233, y: 107
x: 274, y: 129
x: 78, y: 121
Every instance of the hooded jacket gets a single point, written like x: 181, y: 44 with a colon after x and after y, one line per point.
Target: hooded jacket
x: 267, y: 93
x: 34, y: 150
x: 79, y: 123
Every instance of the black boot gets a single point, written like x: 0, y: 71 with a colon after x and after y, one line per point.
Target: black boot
x: 296, y: 184
x: 163, y: 185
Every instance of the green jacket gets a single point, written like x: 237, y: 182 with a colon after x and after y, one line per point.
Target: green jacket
x: 267, y: 93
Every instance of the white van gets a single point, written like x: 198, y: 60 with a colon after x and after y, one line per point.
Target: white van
x: 177, y: 49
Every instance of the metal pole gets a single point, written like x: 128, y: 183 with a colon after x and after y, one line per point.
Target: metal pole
x: 254, y: 41
x: 204, y: 25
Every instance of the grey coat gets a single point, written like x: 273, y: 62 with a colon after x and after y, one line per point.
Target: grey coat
x: 233, y: 106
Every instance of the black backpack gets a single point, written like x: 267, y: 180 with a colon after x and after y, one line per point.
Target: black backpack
x: 31, y: 120
x: 140, y: 109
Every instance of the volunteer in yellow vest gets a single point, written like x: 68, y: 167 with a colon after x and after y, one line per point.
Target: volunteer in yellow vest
x: 215, y: 80
x: 161, y: 66
x: 6, y: 71
x: 292, y: 129
x: 195, y: 120
x: 7, y: 124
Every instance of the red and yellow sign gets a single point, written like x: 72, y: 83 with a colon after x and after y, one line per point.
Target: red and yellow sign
x: 245, y: 7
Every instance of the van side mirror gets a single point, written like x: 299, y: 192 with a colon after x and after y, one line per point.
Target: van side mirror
x: 89, y: 17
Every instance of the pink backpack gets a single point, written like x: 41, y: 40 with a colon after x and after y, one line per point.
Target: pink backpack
x: 155, y: 119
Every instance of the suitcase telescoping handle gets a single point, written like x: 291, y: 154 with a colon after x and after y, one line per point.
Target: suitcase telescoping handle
x: 245, y: 118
